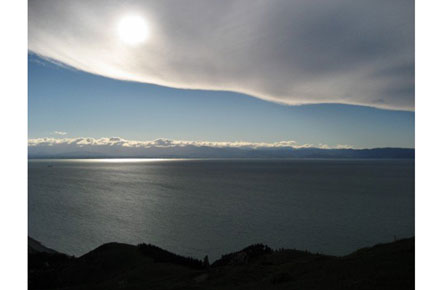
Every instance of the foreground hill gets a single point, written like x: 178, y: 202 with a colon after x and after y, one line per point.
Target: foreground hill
x: 122, y: 266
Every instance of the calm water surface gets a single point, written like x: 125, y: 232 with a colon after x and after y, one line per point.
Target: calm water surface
x: 200, y: 207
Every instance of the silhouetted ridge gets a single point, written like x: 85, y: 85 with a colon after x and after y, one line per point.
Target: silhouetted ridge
x: 162, y: 256
x: 245, y: 256
x: 116, y: 266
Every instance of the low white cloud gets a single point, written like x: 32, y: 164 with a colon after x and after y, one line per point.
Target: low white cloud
x: 291, y: 52
x: 116, y: 146
x: 59, y: 133
x: 161, y: 142
x: 343, y: 146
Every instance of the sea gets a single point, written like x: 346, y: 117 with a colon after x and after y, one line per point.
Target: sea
x: 198, y: 207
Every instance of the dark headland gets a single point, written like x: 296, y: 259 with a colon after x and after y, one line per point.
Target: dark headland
x: 121, y: 266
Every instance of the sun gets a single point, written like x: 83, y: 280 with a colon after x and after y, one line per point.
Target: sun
x: 133, y: 29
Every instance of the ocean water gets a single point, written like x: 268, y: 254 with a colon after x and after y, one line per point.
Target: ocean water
x: 212, y: 207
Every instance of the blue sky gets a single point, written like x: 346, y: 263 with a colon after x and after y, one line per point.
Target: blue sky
x: 322, y: 73
x: 87, y: 105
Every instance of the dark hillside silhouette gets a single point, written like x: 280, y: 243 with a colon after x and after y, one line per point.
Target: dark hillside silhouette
x: 120, y: 266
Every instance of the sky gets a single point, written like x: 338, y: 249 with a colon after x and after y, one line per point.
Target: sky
x: 314, y: 73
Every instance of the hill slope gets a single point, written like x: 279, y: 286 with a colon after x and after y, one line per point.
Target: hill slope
x: 121, y: 266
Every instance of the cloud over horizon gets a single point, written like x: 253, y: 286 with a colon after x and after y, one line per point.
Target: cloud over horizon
x: 160, y: 142
x: 116, y: 146
x: 289, y: 52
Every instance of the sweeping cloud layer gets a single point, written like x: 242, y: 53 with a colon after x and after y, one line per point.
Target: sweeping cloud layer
x: 292, y: 52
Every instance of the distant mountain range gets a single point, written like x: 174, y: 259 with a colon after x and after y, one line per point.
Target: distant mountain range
x: 216, y: 152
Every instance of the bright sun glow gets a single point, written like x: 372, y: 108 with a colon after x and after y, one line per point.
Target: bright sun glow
x: 133, y: 29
